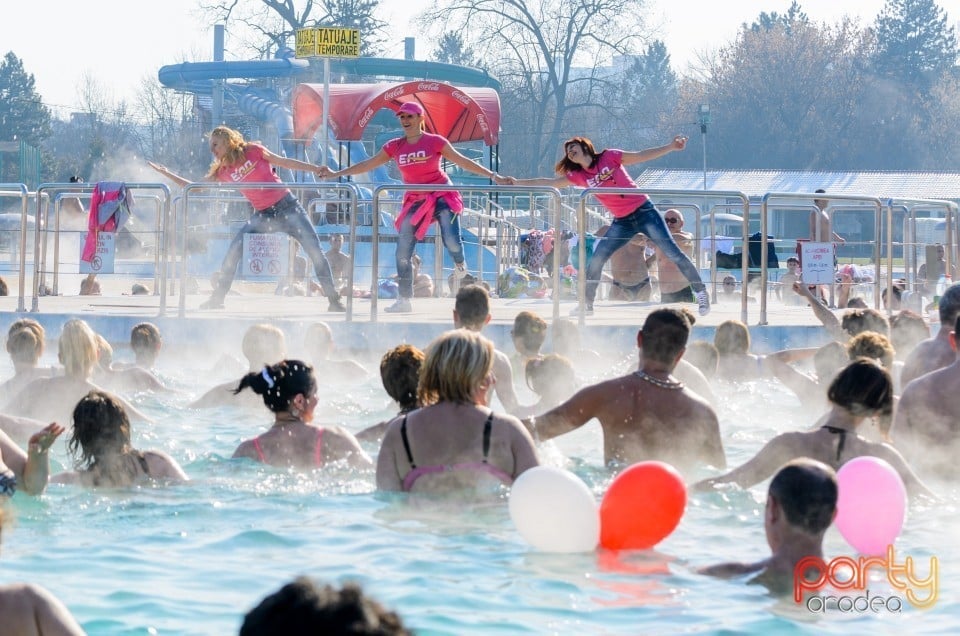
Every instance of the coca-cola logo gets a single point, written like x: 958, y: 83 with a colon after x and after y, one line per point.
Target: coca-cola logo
x: 394, y: 93
x: 482, y: 121
x: 367, y: 114
x: 428, y: 86
x: 460, y: 97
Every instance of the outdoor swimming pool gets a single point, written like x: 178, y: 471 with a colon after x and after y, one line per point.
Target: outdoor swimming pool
x: 192, y: 559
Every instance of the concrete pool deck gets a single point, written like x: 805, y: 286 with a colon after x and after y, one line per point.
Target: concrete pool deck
x: 114, y: 313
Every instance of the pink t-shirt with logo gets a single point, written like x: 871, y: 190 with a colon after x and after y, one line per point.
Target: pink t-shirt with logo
x: 608, y: 172
x: 418, y: 162
x: 254, y: 169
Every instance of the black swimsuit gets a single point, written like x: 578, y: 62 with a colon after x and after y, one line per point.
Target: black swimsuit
x: 842, y: 432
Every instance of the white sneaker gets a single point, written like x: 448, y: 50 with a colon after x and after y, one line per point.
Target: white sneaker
x: 401, y: 306
x: 460, y: 271
x: 703, y: 301
x: 587, y: 311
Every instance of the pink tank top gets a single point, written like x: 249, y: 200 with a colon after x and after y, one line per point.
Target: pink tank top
x: 482, y: 466
x: 608, y: 172
x: 254, y: 169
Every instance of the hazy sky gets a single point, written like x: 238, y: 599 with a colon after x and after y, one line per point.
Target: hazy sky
x: 120, y: 42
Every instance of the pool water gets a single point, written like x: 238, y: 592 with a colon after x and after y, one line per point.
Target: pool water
x: 192, y: 559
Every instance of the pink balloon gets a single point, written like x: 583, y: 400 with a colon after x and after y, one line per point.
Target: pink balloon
x: 871, y: 506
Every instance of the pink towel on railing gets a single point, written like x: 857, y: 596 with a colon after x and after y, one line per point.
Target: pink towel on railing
x: 109, y: 209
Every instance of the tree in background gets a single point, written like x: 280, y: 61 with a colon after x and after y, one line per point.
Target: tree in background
x: 646, y: 102
x: 784, y: 95
x: 549, y: 57
x: 451, y: 49
x: 22, y: 113
x: 915, y: 45
x: 270, y: 25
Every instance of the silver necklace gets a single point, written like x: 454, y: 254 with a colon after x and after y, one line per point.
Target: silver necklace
x: 673, y: 385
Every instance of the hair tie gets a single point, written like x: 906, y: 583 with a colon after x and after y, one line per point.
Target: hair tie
x: 265, y: 374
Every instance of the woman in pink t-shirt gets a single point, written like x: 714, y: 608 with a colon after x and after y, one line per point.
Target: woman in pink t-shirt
x: 275, y: 209
x: 583, y: 166
x: 418, y: 155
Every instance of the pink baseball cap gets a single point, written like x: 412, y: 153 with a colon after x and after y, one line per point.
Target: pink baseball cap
x: 411, y: 108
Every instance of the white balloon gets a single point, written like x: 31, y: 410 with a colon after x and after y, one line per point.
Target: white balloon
x: 555, y: 511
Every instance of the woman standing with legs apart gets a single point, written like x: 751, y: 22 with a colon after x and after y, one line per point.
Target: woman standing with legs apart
x: 275, y: 210
x: 418, y: 154
x: 632, y: 213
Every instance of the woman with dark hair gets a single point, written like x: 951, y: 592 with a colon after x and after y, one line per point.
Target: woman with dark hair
x: 862, y: 390
x: 583, y: 166
x: 236, y: 160
x: 102, y: 451
x: 289, y: 390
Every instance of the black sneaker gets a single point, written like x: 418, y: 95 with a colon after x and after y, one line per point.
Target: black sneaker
x: 214, y: 302
x: 336, y: 305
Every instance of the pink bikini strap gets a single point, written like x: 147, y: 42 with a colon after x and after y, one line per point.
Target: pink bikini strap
x: 318, y: 449
x: 259, y: 449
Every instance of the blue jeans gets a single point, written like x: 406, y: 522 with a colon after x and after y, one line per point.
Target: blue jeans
x: 289, y: 217
x: 644, y: 219
x: 407, y: 241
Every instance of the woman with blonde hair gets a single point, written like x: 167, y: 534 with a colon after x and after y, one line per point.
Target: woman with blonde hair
x: 732, y: 340
x: 52, y: 399
x: 25, y: 342
x: 454, y: 441
x: 236, y: 160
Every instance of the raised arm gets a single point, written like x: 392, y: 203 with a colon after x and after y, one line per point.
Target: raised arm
x: 821, y: 311
x: 631, y: 157
x: 453, y: 156
x: 552, y: 182
x: 569, y: 416
x: 180, y: 181
x: 32, y: 469
x: 772, y: 456
x: 366, y: 165
x: 287, y: 162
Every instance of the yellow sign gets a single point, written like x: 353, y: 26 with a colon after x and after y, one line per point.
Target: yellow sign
x: 328, y: 42
x: 306, y: 42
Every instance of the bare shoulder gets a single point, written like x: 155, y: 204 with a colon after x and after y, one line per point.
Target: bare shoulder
x: 162, y: 465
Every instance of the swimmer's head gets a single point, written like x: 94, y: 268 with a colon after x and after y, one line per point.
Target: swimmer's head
x: 872, y: 345
x: 263, y: 344
x: 471, y: 309
x: 318, y: 341
x: 458, y: 364
x: 806, y: 492
x: 860, y: 320
x: 552, y: 373
x: 950, y: 306
x: 145, y: 340
x: 732, y: 337
x: 101, y: 430
x: 281, y: 383
x: 301, y: 607
x: 77, y: 348
x: 104, y: 352
x: 863, y: 388
x: 25, y: 340
x: 529, y: 331
x: 400, y: 374
x: 907, y: 330
x: 664, y: 335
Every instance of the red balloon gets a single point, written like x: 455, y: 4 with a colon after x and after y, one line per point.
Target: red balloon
x: 642, y: 507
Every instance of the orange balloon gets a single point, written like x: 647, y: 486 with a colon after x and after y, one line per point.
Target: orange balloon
x: 642, y: 507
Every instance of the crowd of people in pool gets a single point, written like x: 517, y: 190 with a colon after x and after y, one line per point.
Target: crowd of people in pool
x: 895, y: 403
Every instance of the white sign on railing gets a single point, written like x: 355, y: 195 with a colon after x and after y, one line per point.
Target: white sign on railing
x: 265, y: 256
x: 817, y: 263
x: 103, y: 259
